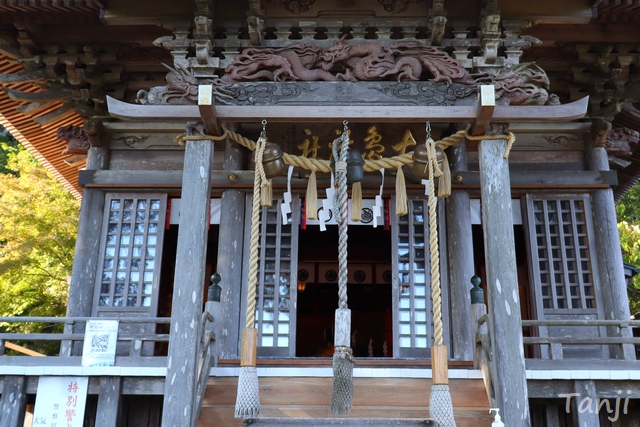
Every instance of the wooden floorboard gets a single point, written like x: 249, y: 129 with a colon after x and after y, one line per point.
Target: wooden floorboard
x: 388, y: 398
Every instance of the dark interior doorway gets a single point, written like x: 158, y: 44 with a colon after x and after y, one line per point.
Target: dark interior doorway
x: 167, y: 273
x: 368, y: 291
x: 524, y: 286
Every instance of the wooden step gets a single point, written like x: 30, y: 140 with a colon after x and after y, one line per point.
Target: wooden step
x: 319, y: 422
x: 373, y: 398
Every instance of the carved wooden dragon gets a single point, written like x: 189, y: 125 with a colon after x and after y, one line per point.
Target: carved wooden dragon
x: 344, y: 62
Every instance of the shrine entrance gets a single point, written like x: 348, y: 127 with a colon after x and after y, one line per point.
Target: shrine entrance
x: 369, y: 291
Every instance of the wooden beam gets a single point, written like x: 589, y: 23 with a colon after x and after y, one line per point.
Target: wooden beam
x: 460, y: 256
x: 208, y: 110
x: 22, y: 349
x: 13, y: 403
x: 486, y: 106
x: 508, y: 367
x: 108, y: 411
x: 304, y: 422
x: 181, y: 379
x: 585, y: 389
x: 87, y: 249
x: 244, y: 179
x: 356, y: 113
x: 607, y: 239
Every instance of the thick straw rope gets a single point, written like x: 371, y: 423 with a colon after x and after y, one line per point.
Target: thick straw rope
x: 440, y: 405
x: 436, y: 292
x: 340, y: 205
x: 248, y: 395
x: 369, y: 165
x: 320, y: 165
x: 255, y: 235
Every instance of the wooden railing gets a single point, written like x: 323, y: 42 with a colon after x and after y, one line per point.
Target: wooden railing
x: 619, y: 336
x: 71, y: 342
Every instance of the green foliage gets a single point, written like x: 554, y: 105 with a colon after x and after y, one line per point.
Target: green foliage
x: 628, y: 210
x: 38, y: 225
x: 8, y: 146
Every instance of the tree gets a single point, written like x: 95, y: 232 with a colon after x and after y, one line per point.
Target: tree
x: 628, y: 210
x: 38, y: 224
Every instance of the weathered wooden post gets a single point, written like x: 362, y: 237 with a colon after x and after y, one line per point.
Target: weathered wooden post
x: 13, y: 404
x: 188, y: 286
x: 605, y: 225
x: 502, y: 281
x: 460, y: 259
x: 230, y: 252
x: 108, y: 410
x: 85, y: 262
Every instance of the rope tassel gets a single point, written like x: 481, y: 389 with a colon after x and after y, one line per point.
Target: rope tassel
x: 401, y: 194
x: 343, y: 361
x: 440, y: 406
x: 356, y: 202
x: 248, y: 396
x: 311, y: 199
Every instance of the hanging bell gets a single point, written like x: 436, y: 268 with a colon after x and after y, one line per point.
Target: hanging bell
x: 420, y: 159
x: 355, y: 166
x: 272, y: 161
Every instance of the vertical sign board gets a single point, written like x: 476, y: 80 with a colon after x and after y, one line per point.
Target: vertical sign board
x: 100, y: 339
x: 60, y: 402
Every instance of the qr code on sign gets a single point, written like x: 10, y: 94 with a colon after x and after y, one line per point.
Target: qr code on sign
x: 99, y: 343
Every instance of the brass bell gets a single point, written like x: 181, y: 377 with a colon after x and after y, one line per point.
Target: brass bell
x: 420, y: 158
x: 272, y: 160
x: 355, y: 166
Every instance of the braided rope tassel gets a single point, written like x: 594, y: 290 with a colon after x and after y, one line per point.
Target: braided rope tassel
x: 248, y: 396
x: 440, y: 406
x: 343, y: 361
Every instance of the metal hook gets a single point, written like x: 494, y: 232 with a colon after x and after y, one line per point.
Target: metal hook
x: 264, y: 129
x: 428, y: 128
x: 346, y: 125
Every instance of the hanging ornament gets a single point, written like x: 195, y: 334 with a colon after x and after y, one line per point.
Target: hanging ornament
x: 355, y: 166
x: 272, y: 160
x: 421, y: 157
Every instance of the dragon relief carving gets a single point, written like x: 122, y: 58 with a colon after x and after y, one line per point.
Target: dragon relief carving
x: 76, y: 139
x: 342, y: 62
x: 621, y: 142
x: 404, y: 61
x: 525, y: 84
x: 182, y: 89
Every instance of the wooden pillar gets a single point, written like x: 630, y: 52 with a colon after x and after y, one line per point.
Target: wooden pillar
x: 180, y: 384
x: 13, y: 404
x: 551, y: 415
x: 502, y: 283
x: 584, y: 404
x: 87, y: 249
x: 108, y: 411
x: 609, y: 253
x: 230, y: 252
x: 460, y: 257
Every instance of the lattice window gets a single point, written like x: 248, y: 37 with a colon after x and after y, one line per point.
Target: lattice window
x: 562, y: 252
x: 131, y: 252
x: 276, y: 298
x: 412, y: 296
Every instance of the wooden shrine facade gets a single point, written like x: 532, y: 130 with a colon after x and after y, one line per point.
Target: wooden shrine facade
x: 156, y: 111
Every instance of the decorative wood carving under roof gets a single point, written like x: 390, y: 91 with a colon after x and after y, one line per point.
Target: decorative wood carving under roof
x: 74, y: 53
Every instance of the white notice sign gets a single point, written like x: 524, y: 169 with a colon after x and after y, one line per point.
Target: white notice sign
x: 100, y: 339
x: 60, y: 402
